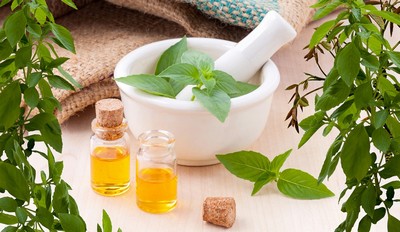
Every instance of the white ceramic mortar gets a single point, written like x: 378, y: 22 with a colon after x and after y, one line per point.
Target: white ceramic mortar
x: 199, y: 135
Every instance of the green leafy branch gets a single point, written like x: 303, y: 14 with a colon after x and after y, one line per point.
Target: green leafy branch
x: 33, y: 201
x: 179, y: 67
x: 361, y: 100
x: 257, y: 168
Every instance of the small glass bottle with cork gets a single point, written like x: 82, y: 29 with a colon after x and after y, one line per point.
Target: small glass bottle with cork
x: 110, y: 156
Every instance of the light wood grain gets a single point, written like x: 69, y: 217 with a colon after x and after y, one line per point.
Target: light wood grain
x: 267, y: 211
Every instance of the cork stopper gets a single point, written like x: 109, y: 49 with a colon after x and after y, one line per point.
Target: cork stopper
x: 109, y: 123
x: 219, y: 211
x: 109, y: 112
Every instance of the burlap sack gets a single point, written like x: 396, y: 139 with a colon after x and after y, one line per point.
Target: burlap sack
x: 105, y: 31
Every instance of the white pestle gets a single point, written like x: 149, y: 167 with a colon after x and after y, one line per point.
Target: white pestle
x: 253, y: 51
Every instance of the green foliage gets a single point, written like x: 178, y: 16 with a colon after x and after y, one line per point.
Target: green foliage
x: 179, y: 67
x: 106, y: 223
x: 257, y: 168
x: 32, y: 200
x: 360, y: 100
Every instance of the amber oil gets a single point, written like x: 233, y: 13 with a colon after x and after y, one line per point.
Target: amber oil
x: 156, y: 190
x: 110, y: 170
x: 156, y: 178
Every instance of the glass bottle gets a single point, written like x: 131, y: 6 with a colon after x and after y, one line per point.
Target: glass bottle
x: 156, y: 178
x: 110, y: 156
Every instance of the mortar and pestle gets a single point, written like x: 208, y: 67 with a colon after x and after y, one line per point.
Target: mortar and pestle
x: 199, y: 135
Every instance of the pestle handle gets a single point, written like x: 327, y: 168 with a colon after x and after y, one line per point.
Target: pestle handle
x: 252, y: 52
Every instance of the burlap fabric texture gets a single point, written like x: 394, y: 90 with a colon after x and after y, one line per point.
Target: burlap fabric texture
x: 104, y: 31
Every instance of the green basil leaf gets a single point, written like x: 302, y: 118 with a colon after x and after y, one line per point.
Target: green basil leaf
x: 41, y: 15
x: 378, y: 215
x: 208, y: 83
x: 45, y: 88
x: 61, y: 198
x: 13, y: 180
x: 185, y: 73
x: 312, y: 121
x: 278, y: 161
x: 348, y: 63
x: 301, y: 185
x: 23, y: 57
x: 201, y: 60
x: 262, y: 180
x: 355, y: 156
x: 70, y: 3
x: 8, y: 204
x: 393, y: 224
x: 386, y: 87
x: 45, y: 217
x: 381, y: 139
x: 63, y: 36
x: 364, y: 224
x: 5, y: 50
x: 59, y: 82
x: 329, y: 159
x: 371, y: 62
x: 10, y: 110
x: 391, y: 168
x: 216, y: 101
x: 309, y: 133
x: 71, y: 223
x: 99, y: 228
x: 379, y: 119
x: 394, y: 126
x: 352, y: 207
x: 368, y: 199
x: 10, y: 229
x: 334, y: 95
x: 49, y: 128
x: 395, y: 57
x: 4, y: 2
x: 73, y: 207
x: 171, y: 56
x: 392, y: 17
x: 150, y: 84
x: 244, y: 88
x: 363, y: 95
x: 225, y: 82
x: 15, y: 27
x: 248, y: 165
x: 31, y: 97
x: 324, y: 11
x: 8, y: 219
x: 177, y: 86
x: 21, y: 214
x: 321, y: 32
x: 69, y: 77
x: 394, y: 184
x: 107, y: 226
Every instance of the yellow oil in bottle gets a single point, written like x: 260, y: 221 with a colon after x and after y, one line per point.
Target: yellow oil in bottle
x: 110, y: 170
x: 156, y: 189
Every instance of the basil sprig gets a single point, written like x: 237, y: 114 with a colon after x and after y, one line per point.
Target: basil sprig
x: 179, y: 67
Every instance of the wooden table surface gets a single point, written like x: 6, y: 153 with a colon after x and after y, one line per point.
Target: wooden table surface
x: 268, y: 211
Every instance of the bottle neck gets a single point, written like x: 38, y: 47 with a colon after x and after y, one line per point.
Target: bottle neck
x: 156, y: 144
x: 109, y: 133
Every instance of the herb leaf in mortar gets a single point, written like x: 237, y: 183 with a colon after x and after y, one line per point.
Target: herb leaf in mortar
x: 179, y: 67
x: 257, y: 168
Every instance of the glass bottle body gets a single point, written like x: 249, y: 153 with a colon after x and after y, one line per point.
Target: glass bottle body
x: 110, y: 162
x: 156, y: 177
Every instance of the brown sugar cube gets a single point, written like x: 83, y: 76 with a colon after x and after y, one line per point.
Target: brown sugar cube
x: 220, y: 211
x: 109, y: 112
